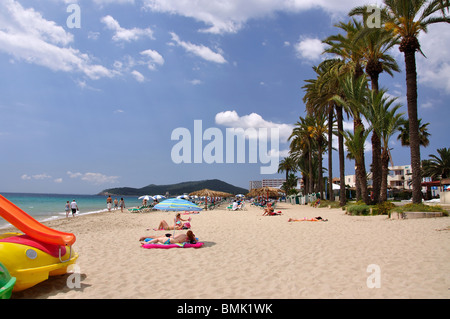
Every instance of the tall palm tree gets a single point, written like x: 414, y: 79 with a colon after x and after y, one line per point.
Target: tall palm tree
x: 407, y: 19
x: 375, y: 46
x: 423, y: 133
x: 317, y: 99
x: 388, y: 123
x: 355, y: 98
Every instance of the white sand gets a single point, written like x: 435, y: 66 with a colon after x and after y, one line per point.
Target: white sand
x: 247, y: 255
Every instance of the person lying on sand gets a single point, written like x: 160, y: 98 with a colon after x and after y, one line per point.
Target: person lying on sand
x: 314, y: 219
x: 180, y: 238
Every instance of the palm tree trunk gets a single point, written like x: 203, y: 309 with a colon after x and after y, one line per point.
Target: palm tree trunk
x: 414, y: 141
x: 374, y: 71
x: 376, y: 166
x: 310, y: 191
x: 320, y: 172
x: 340, y: 123
x: 384, y: 174
x: 357, y: 166
x: 330, y: 154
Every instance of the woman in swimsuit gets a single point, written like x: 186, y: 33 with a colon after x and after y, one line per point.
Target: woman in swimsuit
x: 180, y: 238
x: 269, y: 210
x: 163, y: 225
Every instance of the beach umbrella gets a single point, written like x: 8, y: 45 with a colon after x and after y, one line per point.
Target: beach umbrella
x: 146, y: 197
x: 177, y: 204
x: 183, y: 196
x: 158, y: 197
x: 240, y: 195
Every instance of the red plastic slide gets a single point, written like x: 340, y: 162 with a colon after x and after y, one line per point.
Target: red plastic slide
x: 30, y: 226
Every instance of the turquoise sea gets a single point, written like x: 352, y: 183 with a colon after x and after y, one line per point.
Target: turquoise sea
x: 44, y: 207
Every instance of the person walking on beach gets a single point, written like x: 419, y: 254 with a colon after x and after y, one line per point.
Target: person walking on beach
x: 74, y: 207
x: 109, y: 203
x: 67, y: 209
x: 116, y: 203
x: 122, y: 204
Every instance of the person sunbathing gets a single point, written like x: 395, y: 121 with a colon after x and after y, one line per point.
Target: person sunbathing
x: 180, y: 238
x: 269, y: 210
x: 178, y: 224
x: 314, y: 219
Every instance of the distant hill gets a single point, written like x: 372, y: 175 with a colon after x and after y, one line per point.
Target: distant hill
x: 176, y: 189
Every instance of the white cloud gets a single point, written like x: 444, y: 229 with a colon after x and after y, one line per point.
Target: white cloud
x: 253, y: 120
x: 122, y: 34
x: 434, y: 70
x: 195, y: 82
x: 199, y: 50
x: 58, y: 180
x: 102, y: 2
x: 35, y: 177
x: 154, y: 58
x: 309, y: 49
x: 94, y: 178
x: 138, y: 76
x: 229, y: 16
x: 26, y: 35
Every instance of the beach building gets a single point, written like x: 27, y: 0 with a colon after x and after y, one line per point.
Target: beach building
x: 274, y: 182
x: 255, y: 184
x: 399, y: 177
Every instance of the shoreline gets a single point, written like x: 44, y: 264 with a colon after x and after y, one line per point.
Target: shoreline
x: 250, y: 256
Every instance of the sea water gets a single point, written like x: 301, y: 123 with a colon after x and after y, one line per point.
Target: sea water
x: 44, y: 207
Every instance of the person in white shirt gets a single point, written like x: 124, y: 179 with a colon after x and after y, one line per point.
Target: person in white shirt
x: 74, y: 207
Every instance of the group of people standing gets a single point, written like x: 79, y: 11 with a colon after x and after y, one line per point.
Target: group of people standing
x: 117, y: 203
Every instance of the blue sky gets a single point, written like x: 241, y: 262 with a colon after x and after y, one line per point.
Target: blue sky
x: 89, y: 108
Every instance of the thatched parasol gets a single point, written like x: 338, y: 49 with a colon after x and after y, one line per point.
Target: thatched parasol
x: 265, y: 191
x: 207, y: 193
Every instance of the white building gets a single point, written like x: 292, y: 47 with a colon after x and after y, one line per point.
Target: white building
x: 399, y: 177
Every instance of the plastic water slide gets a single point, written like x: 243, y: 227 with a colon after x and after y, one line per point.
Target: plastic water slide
x: 30, y: 226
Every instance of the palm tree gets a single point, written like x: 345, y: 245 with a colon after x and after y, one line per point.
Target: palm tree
x: 287, y: 165
x: 317, y: 100
x: 317, y: 133
x: 388, y: 123
x: 301, y: 148
x: 438, y: 167
x: 355, y: 98
x: 407, y: 19
x: 355, y: 147
x: 423, y: 133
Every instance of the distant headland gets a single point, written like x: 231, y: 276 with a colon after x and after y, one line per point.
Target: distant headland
x: 176, y: 189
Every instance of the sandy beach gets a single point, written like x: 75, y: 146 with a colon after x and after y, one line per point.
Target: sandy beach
x: 247, y: 255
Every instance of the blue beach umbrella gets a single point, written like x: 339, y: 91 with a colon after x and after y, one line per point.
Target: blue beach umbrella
x: 177, y: 204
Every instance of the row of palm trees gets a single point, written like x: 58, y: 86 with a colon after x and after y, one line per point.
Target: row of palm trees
x: 341, y: 87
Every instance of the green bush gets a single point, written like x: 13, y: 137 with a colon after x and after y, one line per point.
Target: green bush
x: 420, y: 208
x: 326, y: 203
x: 384, y: 208
x: 359, y: 209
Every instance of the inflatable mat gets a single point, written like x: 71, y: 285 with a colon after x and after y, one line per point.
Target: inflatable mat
x: 164, y: 246
x: 168, y: 246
